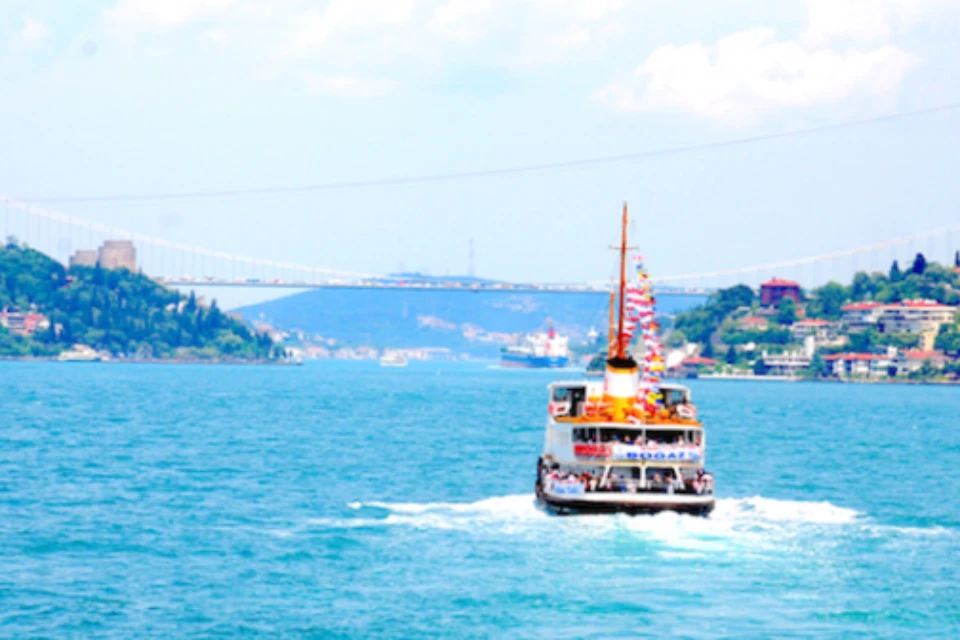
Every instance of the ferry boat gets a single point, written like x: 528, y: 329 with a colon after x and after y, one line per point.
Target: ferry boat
x: 541, y: 350
x: 393, y: 359
x: 625, y: 443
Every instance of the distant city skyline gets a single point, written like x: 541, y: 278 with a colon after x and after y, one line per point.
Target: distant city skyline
x: 121, y: 97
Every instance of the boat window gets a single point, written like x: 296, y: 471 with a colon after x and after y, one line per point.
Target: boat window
x: 673, y: 397
x: 561, y: 394
x: 666, y: 436
x: 585, y: 435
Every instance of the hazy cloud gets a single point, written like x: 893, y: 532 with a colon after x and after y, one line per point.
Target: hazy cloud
x: 751, y: 72
x: 141, y: 15
x: 33, y: 35
x: 348, y: 86
x: 867, y: 20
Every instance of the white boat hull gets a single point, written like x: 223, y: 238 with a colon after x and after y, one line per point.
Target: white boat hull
x: 625, y: 502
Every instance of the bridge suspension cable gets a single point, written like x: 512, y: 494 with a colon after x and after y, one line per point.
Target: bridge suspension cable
x: 485, y: 173
x: 823, y: 257
x: 696, y: 280
x: 107, y: 230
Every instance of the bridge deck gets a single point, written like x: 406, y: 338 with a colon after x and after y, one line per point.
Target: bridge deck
x: 419, y: 286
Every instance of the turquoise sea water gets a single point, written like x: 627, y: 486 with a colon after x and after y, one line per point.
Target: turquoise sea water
x: 346, y: 500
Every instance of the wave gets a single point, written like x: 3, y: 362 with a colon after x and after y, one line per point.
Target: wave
x: 754, y: 521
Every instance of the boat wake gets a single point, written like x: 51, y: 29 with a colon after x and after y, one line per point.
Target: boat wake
x: 744, y: 525
x: 733, y: 518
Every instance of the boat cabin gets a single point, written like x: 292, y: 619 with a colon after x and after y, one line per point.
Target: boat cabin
x: 569, y: 399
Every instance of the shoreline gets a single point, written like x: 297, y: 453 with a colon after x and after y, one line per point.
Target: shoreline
x: 212, y: 361
x: 750, y: 378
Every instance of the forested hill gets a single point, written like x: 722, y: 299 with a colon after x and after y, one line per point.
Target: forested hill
x: 115, y: 310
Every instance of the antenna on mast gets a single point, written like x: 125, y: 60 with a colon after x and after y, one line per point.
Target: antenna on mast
x: 622, y: 348
x: 618, y: 350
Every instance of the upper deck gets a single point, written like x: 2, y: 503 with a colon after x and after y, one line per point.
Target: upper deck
x: 579, y: 401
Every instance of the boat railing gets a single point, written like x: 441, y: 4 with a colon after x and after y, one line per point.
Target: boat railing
x: 574, y: 487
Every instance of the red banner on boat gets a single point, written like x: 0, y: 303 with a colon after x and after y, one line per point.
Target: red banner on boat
x: 592, y: 450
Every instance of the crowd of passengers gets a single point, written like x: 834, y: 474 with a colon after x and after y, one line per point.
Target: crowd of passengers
x: 666, y: 481
x: 590, y: 437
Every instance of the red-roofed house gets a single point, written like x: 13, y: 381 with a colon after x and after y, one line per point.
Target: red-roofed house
x: 913, y: 360
x: 860, y: 364
x: 909, y: 316
x: 776, y: 289
x: 915, y: 316
x: 861, y: 315
x: 753, y: 322
x: 691, y: 366
x: 23, y: 323
x: 822, y: 331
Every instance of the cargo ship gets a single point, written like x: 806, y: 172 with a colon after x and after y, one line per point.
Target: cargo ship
x: 541, y: 350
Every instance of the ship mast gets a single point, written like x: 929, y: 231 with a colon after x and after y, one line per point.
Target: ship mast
x: 622, y: 348
x: 611, y: 326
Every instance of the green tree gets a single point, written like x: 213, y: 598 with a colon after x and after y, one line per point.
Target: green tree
x: 699, y: 324
x: 948, y: 339
x: 863, y: 342
x: 733, y: 298
x: 827, y: 301
x: 787, y: 312
x: 707, y: 350
x: 895, y: 274
x: 675, y: 339
x: 760, y: 368
x: 112, y: 309
x: 819, y: 367
x: 731, y: 357
x: 919, y: 265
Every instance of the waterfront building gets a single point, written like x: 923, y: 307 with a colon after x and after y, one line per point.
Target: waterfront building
x: 823, y: 332
x: 859, y: 316
x: 790, y: 363
x: 690, y: 367
x: 860, y: 365
x: 915, y: 316
x: 910, y: 361
x: 23, y: 323
x: 776, y: 290
x: 909, y: 316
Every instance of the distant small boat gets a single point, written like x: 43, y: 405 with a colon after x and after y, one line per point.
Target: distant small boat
x: 393, y: 359
x: 79, y: 353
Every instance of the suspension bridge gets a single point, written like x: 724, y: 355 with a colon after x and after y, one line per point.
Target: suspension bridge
x: 182, y: 265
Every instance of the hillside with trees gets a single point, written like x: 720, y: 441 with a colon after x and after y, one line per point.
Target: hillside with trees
x: 115, y: 310
x: 735, y: 325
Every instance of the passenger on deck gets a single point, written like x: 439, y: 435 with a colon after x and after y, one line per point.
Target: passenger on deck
x: 657, y: 481
x: 678, y: 483
x: 702, y: 483
x: 668, y: 483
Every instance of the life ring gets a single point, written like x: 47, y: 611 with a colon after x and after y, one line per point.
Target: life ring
x: 687, y: 412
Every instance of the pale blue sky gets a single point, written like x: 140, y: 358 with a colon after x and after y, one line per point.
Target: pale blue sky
x: 121, y: 97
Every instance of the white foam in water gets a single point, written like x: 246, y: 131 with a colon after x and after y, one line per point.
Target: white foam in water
x: 746, y: 527
x: 783, y: 511
x: 742, y: 518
